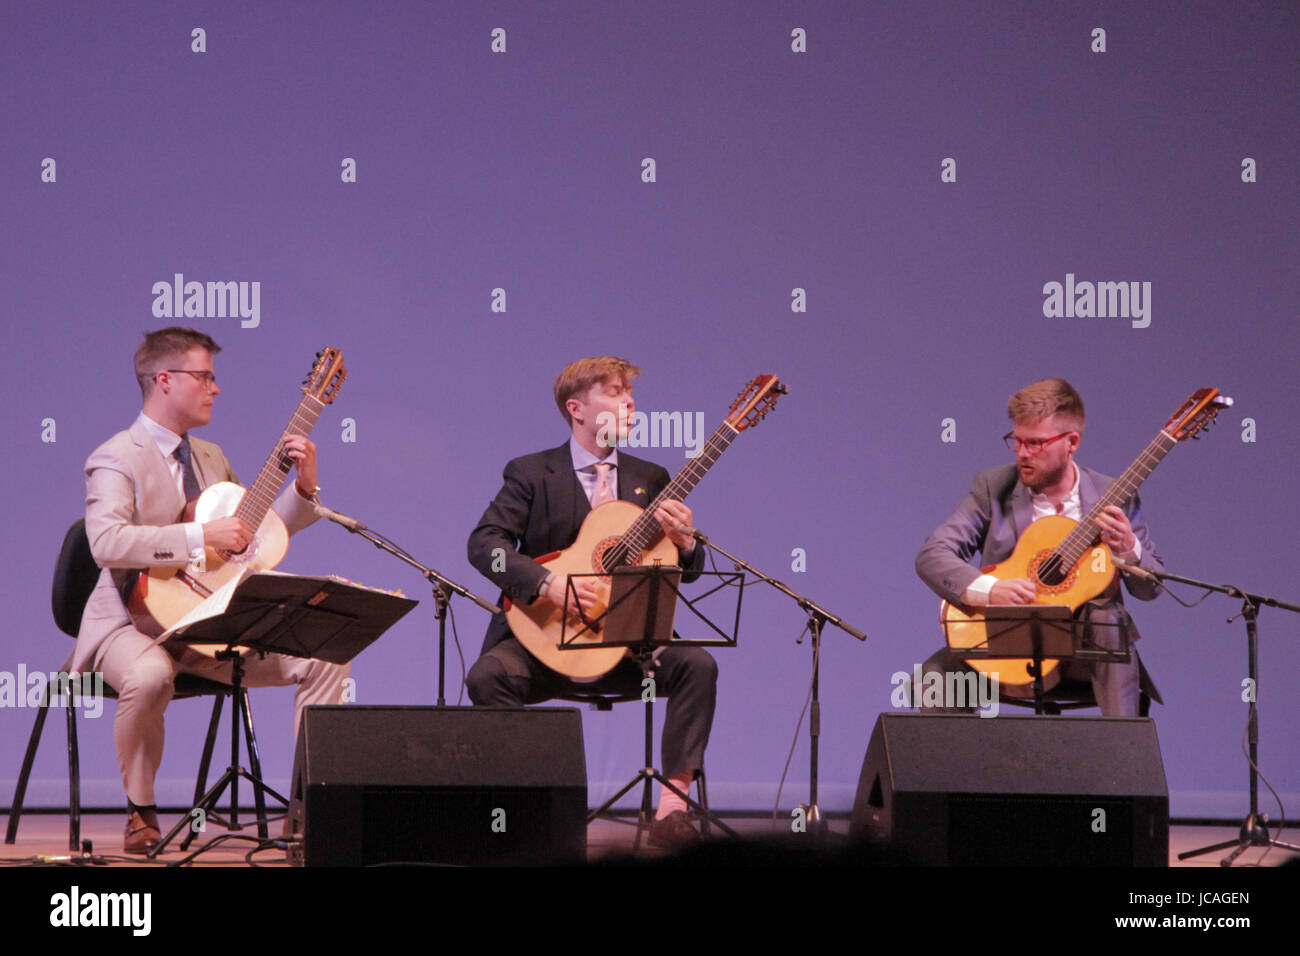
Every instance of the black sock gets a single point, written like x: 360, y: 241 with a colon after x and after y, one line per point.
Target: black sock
x: 133, y: 808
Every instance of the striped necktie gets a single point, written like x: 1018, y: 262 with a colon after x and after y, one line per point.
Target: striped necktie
x: 603, y: 492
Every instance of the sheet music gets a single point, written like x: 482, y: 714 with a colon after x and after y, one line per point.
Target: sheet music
x: 211, y: 606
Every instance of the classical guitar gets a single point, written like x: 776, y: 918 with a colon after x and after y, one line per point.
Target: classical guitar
x: 161, y: 596
x: 620, y: 534
x: 1065, y: 560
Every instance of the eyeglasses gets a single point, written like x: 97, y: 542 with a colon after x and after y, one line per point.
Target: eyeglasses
x: 1031, y: 445
x: 206, y: 378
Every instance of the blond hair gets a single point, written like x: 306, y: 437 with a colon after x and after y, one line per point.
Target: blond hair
x: 577, y: 377
x: 1051, y: 396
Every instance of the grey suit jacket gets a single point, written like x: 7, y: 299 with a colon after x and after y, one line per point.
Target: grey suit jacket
x: 132, y: 511
x: 991, y: 518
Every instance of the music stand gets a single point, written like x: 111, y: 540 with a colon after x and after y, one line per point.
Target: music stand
x: 639, y: 617
x: 1038, y: 632
x: 272, y: 613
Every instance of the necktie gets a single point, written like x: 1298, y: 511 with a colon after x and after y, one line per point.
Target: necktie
x: 188, y: 479
x: 603, y: 492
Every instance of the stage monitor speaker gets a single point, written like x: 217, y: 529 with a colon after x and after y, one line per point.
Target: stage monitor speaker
x: 964, y: 790
x: 440, y: 785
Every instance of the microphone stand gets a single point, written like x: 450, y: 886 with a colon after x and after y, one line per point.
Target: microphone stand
x: 817, y: 618
x: 1254, y: 829
x: 443, y: 587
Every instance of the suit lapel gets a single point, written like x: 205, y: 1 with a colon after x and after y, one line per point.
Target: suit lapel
x: 206, y: 469
x: 161, y: 487
x: 1089, y: 493
x: 633, y: 482
x: 564, y: 493
x: 1022, y: 509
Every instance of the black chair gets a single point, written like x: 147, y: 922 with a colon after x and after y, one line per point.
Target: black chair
x: 644, y: 776
x: 1075, y: 695
x: 75, y: 576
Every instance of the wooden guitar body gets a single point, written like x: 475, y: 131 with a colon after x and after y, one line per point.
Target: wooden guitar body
x: 1088, y: 577
x: 538, y: 625
x: 164, y: 595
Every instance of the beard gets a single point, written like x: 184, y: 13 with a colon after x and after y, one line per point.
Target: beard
x: 1036, y: 478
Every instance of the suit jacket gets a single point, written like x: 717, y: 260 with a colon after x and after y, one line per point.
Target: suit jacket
x: 991, y: 518
x: 539, y: 509
x: 132, y: 510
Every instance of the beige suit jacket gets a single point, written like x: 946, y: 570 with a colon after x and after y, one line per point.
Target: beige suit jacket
x: 132, y: 512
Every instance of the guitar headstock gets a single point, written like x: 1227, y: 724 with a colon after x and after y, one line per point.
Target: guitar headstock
x: 326, y: 376
x: 1196, y: 413
x: 758, y: 398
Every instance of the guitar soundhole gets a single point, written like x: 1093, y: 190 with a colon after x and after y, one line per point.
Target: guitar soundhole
x: 609, y: 554
x: 1050, y: 572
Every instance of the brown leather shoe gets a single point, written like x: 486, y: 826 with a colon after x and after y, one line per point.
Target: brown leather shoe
x: 142, y: 833
x: 674, y: 832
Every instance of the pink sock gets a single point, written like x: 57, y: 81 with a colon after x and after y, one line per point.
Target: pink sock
x: 669, y: 801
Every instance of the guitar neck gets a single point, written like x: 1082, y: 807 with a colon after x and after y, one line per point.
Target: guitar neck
x: 645, y: 530
x: 1120, y: 491
x: 261, y: 495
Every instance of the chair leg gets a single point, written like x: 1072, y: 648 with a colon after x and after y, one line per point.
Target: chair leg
x: 645, y: 818
x: 20, y: 792
x: 74, y: 782
x: 702, y: 795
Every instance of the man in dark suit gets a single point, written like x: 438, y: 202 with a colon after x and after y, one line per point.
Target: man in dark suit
x: 1048, y: 420
x: 540, y: 509
x: 137, y: 484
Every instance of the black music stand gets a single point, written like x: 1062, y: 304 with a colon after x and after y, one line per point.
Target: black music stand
x: 1038, y: 632
x: 312, y: 617
x: 640, y: 616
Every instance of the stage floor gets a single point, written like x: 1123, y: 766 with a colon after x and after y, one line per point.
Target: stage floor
x: 47, y: 835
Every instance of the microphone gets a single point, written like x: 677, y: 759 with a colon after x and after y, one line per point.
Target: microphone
x: 352, y: 524
x: 1133, y: 569
x: 695, y: 533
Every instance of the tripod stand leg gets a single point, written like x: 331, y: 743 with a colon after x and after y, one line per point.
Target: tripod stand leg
x: 255, y: 763
x: 603, y: 809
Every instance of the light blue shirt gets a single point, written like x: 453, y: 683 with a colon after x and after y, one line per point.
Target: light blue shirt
x: 584, y: 463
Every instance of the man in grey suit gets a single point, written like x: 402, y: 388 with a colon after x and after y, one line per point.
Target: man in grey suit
x: 137, y: 485
x: 1048, y: 419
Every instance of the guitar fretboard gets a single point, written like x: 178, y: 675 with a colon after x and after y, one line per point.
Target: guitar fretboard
x: 645, y: 530
x: 1086, y: 533
x: 261, y: 495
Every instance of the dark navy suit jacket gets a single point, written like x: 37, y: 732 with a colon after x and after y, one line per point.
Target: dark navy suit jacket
x: 539, y: 509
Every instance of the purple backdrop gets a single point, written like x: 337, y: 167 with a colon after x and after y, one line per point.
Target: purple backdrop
x: 774, y: 170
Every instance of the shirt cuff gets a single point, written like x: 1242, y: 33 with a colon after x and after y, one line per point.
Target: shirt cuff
x: 194, y: 538
x: 977, y: 592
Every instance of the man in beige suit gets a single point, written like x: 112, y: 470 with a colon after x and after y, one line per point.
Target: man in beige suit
x: 137, y: 485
